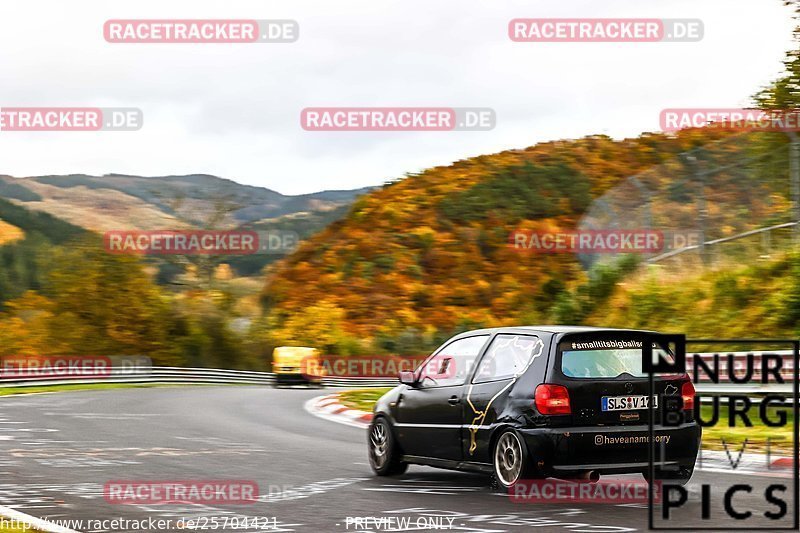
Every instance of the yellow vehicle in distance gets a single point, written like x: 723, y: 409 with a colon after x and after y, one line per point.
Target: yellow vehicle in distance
x: 296, y: 365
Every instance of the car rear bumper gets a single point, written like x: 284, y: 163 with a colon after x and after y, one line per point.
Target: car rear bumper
x: 293, y: 379
x: 612, y: 449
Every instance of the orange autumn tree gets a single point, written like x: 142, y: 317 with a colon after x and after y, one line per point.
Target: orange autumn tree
x: 428, y: 255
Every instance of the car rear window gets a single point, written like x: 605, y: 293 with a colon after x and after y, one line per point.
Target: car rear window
x: 600, y: 359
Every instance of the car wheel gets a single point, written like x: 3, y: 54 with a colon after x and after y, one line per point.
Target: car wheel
x: 384, y: 453
x: 511, y: 461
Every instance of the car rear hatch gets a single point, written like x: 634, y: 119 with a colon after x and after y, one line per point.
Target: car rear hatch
x: 604, y: 378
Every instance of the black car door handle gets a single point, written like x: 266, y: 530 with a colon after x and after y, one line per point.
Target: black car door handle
x: 454, y: 400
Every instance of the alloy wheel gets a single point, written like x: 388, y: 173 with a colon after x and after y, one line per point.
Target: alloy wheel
x: 378, y: 444
x: 508, y: 459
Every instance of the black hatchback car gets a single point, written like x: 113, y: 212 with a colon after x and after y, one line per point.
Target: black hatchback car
x: 536, y: 401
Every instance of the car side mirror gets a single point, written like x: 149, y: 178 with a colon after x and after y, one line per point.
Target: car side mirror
x: 408, y: 378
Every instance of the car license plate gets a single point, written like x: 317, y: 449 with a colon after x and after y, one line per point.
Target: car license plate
x: 626, y: 403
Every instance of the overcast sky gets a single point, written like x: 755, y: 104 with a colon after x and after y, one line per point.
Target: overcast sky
x: 233, y: 110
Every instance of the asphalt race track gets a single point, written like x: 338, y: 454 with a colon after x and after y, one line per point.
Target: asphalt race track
x: 59, y: 450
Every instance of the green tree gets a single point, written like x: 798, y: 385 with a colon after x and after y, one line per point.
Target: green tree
x: 107, y: 304
x: 784, y: 93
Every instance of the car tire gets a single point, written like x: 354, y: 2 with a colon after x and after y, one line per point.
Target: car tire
x: 511, y: 461
x: 384, y: 452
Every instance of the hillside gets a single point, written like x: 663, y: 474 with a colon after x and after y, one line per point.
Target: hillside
x: 116, y: 201
x: 428, y: 254
x: 32, y: 223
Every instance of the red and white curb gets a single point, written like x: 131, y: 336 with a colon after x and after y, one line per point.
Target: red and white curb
x: 746, y: 464
x: 330, y: 408
x: 27, y: 522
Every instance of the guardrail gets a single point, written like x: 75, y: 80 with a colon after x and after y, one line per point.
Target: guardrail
x: 723, y: 240
x: 739, y: 360
x: 180, y: 375
x: 156, y: 374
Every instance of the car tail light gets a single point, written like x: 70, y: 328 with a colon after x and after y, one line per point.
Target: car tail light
x: 552, y: 399
x: 687, y: 393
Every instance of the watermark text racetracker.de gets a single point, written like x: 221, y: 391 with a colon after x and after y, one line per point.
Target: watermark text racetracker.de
x: 70, y: 119
x: 440, y: 366
x: 572, y: 491
x: 14, y: 367
x: 643, y: 241
x: 614, y: 30
x: 200, y: 242
x: 743, y: 119
x: 194, y: 31
x: 133, y: 492
x: 397, y: 119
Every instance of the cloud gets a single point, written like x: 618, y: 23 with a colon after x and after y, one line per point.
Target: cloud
x: 233, y: 110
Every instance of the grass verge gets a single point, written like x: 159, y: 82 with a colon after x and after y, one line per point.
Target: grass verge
x: 780, y: 438
x: 362, y: 399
